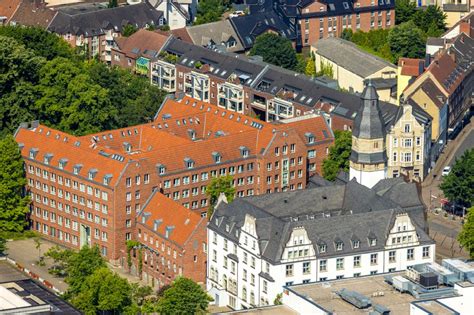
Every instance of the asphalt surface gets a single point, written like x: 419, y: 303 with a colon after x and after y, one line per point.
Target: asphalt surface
x: 468, y: 143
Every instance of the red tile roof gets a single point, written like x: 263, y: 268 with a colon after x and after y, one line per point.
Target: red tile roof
x: 8, y: 8
x: 136, y: 44
x: 31, y: 14
x: 163, y: 213
x: 64, y: 146
x: 182, y: 33
x: 410, y: 66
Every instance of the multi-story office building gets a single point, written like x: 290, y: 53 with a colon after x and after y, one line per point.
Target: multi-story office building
x: 257, y: 245
x: 93, y: 29
x: 173, y: 242
x: 88, y: 190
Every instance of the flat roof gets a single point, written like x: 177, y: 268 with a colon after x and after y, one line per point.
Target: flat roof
x: 324, y: 294
x: 9, y: 300
x: 434, y: 307
x: 270, y: 310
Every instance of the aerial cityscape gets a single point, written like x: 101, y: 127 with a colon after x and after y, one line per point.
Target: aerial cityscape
x: 237, y: 157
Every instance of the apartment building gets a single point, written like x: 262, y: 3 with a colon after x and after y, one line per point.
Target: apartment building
x: 93, y: 28
x: 173, y: 242
x: 89, y: 189
x: 451, y: 72
x: 138, y: 50
x: 316, y: 20
x: 257, y: 245
x: 455, y: 10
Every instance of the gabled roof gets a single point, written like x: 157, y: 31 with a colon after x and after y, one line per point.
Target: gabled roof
x: 217, y: 33
x: 8, y: 8
x: 96, y: 22
x: 142, y: 43
x: 340, y: 212
x: 348, y: 56
x: 30, y: 14
x: 248, y: 27
x: 411, y: 66
x: 170, y: 219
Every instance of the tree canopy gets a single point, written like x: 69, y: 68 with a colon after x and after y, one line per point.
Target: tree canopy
x: 51, y: 83
x: 338, y: 157
x: 218, y: 185
x: 13, y: 201
x: 184, y: 297
x: 466, y: 236
x: 210, y: 11
x: 458, y: 186
x: 276, y: 50
x: 404, y: 11
x: 406, y: 40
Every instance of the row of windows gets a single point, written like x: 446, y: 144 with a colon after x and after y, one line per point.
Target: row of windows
x: 55, y: 218
x: 137, y: 181
x: 64, y: 181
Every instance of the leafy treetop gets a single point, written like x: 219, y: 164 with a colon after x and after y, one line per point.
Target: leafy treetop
x: 338, y: 157
x: 458, y: 186
x: 276, y: 50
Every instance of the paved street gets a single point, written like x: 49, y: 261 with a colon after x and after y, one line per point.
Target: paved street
x: 445, y: 229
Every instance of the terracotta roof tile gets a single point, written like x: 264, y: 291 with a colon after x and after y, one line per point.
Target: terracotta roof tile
x: 31, y: 14
x: 8, y: 8
x: 65, y: 146
x: 182, y: 33
x: 163, y: 213
x: 140, y: 42
x: 410, y: 66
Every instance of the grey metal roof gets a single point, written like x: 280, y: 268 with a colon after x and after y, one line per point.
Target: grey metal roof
x: 369, y: 122
x: 340, y: 212
x: 348, y: 56
x: 368, y: 158
x: 96, y: 22
x: 217, y: 32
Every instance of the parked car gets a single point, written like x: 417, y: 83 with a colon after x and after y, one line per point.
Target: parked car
x: 446, y: 171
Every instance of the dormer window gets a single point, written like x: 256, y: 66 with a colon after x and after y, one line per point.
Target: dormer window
x: 355, y: 244
x: 339, y: 245
x: 192, y: 134
x: 244, y: 151
x: 322, y: 248
x: 33, y: 153
x: 47, y: 158
x: 217, y: 157
x: 309, y: 137
x: 127, y: 146
x: 62, y: 163
x: 92, y: 173
x: 77, y: 169
x: 107, y: 179
x: 189, y: 163
x: 161, y: 169
x: 373, y: 241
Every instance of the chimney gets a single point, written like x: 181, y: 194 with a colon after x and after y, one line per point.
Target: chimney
x: 427, y: 61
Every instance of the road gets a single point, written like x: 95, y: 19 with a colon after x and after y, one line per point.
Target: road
x: 468, y: 143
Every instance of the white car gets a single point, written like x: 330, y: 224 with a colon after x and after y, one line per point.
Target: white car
x: 446, y: 171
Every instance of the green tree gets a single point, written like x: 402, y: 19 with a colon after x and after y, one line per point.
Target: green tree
x: 406, y: 40
x: 60, y: 259
x: 103, y: 291
x: 218, y: 185
x: 338, y: 157
x: 276, y: 50
x: 38, y: 244
x: 347, y: 34
x: 128, y: 30
x: 38, y: 40
x: 81, y: 265
x: 3, y: 246
x: 325, y: 69
x: 404, y: 11
x: 310, y: 68
x: 209, y: 11
x: 466, y: 236
x: 13, y: 201
x: 430, y: 18
x: 184, y: 297
x: 458, y: 186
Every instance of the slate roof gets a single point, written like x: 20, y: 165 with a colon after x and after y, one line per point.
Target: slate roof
x: 340, y: 212
x: 348, y: 56
x: 248, y: 27
x: 422, y: 117
x: 217, y: 32
x: 369, y: 123
x: 96, y: 22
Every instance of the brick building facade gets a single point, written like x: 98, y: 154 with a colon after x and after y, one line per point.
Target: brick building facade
x: 89, y: 189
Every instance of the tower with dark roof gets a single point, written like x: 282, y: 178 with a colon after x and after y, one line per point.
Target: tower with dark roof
x: 368, y: 161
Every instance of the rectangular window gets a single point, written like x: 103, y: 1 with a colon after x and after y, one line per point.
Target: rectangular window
x: 426, y: 252
x: 391, y: 256
x: 356, y: 261
x: 340, y: 264
x: 410, y: 254
x: 323, y: 265
x: 306, y: 268
x: 289, y: 270
x: 373, y: 259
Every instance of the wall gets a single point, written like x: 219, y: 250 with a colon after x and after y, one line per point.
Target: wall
x: 301, y: 304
